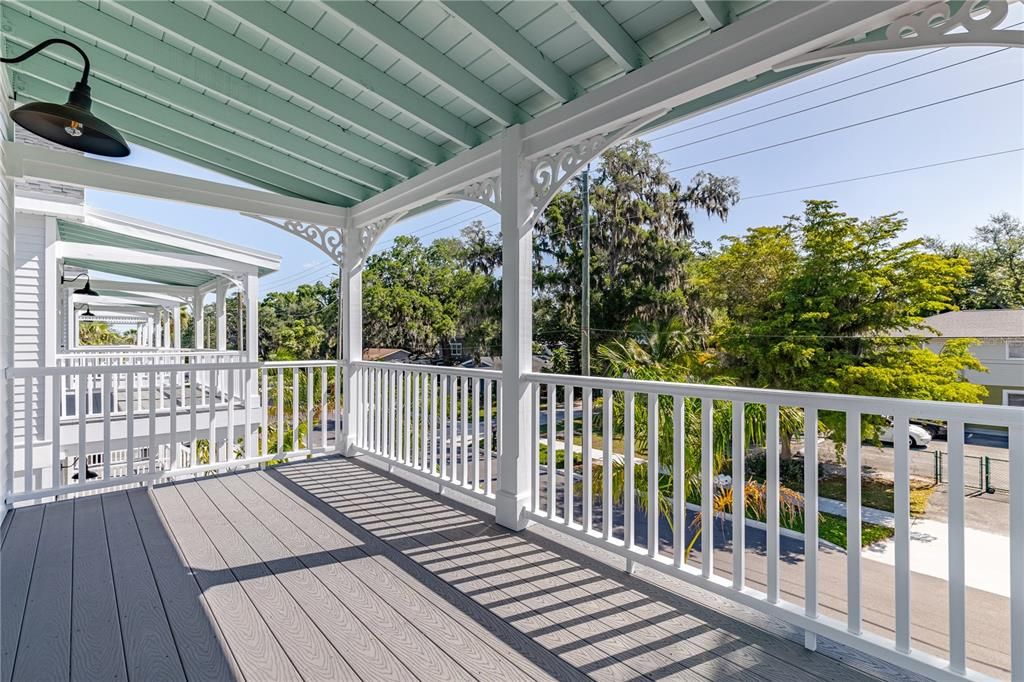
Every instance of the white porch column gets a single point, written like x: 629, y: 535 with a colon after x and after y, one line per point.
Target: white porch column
x: 252, y: 318
x: 198, y: 321
x: 69, y: 319
x: 513, y: 492
x: 176, y: 312
x: 165, y: 315
x: 350, y: 340
x: 221, y: 313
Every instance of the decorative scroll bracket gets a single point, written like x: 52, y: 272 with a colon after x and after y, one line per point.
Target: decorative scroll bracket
x: 549, y: 172
x: 329, y: 239
x: 486, y: 191
x: 371, y: 232
x: 932, y: 26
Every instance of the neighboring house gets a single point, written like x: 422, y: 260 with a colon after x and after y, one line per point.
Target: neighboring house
x: 540, y: 363
x: 385, y: 355
x: 1000, y: 347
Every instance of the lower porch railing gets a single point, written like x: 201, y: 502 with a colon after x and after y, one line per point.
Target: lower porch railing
x: 97, y: 427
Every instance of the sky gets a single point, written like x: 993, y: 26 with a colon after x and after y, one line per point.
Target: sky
x: 963, y: 102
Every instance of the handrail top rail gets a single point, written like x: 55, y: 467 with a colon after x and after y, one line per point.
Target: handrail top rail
x: 991, y: 415
x: 30, y: 372
x: 146, y: 351
x: 431, y: 369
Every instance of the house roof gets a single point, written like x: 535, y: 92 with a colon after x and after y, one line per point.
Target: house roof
x: 374, y: 354
x: 339, y: 101
x: 978, y: 324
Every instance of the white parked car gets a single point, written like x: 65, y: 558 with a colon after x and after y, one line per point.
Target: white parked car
x: 919, y: 437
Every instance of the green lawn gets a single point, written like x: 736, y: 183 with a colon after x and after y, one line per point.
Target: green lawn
x: 877, y: 493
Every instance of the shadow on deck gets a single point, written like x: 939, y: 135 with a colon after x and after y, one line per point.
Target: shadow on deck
x: 331, y: 569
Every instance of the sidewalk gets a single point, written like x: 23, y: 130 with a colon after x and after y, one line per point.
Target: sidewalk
x: 987, y: 554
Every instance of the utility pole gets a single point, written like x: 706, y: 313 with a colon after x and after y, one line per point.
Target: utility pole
x: 585, y: 317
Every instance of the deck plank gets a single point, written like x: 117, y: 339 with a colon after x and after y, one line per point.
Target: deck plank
x: 257, y: 651
x: 361, y: 580
x: 357, y: 493
x: 204, y: 656
x: 418, y: 595
x: 44, y: 648
x: 16, y: 566
x: 97, y: 650
x: 309, y: 650
x: 149, y: 647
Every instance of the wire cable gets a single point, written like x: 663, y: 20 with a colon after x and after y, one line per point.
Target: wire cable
x: 848, y: 126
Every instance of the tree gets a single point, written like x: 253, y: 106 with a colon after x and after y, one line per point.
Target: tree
x: 295, y: 325
x: 418, y: 296
x: 829, y: 302
x: 101, y: 334
x: 641, y: 228
x: 996, y: 257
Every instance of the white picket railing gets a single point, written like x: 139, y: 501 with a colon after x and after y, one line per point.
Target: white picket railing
x: 554, y: 504
x: 112, y: 425
x: 441, y: 422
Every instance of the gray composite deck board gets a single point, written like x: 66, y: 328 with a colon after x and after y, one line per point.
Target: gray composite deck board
x: 44, y: 647
x: 16, y: 570
x: 149, y: 648
x: 333, y: 569
x: 195, y: 632
x: 97, y: 650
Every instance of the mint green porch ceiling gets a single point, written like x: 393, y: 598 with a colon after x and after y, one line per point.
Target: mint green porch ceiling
x: 337, y: 101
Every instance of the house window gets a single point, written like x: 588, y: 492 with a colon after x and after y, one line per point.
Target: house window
x: 1015, y: 350
x: 456, y: 348
x: 1013, y: 398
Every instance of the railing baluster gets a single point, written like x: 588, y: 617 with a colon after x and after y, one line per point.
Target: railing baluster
x: 323, y: 408
x: 464, y: 433
x: 193, y: 419
x: 211, y: 447
x: 534, y: 449
x: 151, y: 452
x: 338, y: 445
x: 83, y: 387
x: 453, y: 425
x: 414, y: 431
x: 739, y: 507
x: 295, y: 409
x: 129, y: 387
x: 810, y: 521
x: 678, y: 481
x: 568, y: 505
x: 772, y: 497
x: 106, y: 426
x: 264, y: 406
x: 587, y: 409
x: 33, y: 421
x: 853, y: 522
x: 628, y: 475
x: 442, y: 423
x: 172, y: 461
x: 425, y: 421
x: 552, y: 456
x: 310, y: 380
x: 957, y: 571
x: 607, y: 399
x: 901, y: 510
x: 707, y: 488
x: 59, y: 402
x: 280, y: 411
x: 653, y: 466
x: 476, y: 432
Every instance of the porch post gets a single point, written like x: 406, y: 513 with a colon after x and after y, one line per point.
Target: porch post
x: 198, y: 321
x: 221, y: 312
x: 177, y: 327
x: 513, y: 492
x: 252, y: 317
x: 350, y: 298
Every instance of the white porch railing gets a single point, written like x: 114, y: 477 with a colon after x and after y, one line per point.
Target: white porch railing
x: 441, y: 422
x: 113, y: 425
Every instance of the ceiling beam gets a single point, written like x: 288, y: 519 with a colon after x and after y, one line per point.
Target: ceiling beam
x: 208, y: 37
x: 604, y: 30
x: 519, y: 51
x: 715, y: 13
x: 101, y: 28
x: 118, y: 254
x: 295, y: 35
x: 48, y: 79
x: 25, y: 161
x: 116, y: 70
x: 391, y: 34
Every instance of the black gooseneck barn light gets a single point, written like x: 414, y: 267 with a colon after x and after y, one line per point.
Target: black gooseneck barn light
x: 87, y: 290
x: 88, y: 312
x: 71, y: 124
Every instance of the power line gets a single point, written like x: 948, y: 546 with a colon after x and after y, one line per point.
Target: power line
x: 848, y: 126
x: 830, y: 102
x: 883, y: 174
x: 796, y: 96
